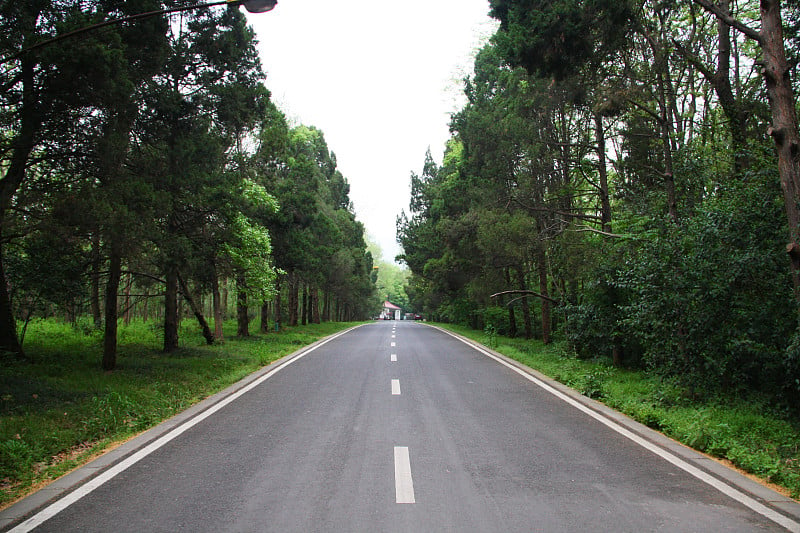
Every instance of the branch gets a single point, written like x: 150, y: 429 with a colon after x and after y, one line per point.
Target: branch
x: 730, y: 21
x: 579, y: 216
x: 142, y: 274
x: 527, y: 293
x: 647, y: 110
x: 694, y: 60
x: 583, y: 229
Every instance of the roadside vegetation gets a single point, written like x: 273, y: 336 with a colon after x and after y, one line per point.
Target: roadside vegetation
x: 58, y: 410
x: 749, y: 432
x: 145, y: 167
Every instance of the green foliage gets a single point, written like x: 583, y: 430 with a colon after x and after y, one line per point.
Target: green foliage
x: 390, y: 281
x: 496, y: 320
x: 34, y: 260
x: 558, y: 36
x: 250, y: 251
x: 134, y: 147
x: 16, y: 458
x: 691, y: 283
x: 705, y: 302
x: 591, y: 384
x: 708, y: 303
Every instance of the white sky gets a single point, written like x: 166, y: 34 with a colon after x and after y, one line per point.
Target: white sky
x: 380, y: 79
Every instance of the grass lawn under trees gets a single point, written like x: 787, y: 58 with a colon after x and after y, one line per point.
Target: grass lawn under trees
x: 61, y: 410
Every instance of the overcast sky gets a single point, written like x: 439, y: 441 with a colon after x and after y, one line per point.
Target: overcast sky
x: 380, y: 79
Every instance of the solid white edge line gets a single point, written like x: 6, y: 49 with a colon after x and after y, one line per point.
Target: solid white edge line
x: 403, y: 483
x: 726, y: 489
x: 395, y: 387
x: 61, y: 504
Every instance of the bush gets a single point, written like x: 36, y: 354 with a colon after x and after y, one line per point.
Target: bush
x: 595, y: 327
x: 496, y: 318
x: 709, y: 302
x: 16, y: 458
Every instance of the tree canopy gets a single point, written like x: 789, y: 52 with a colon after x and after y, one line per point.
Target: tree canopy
x: 147, y: 161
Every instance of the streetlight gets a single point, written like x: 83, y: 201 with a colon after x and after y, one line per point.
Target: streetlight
x: 256, y: 6
x: 252, y: 6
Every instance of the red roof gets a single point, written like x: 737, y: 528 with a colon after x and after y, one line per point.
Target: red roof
x: 389, y: 305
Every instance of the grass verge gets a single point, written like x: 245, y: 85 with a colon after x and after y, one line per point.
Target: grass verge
x: 60, y: 410
x: 748, y: 433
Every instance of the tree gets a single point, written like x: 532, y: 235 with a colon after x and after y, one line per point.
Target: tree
x: 784, y: 128
x: 53, y: 95
x: 197, y: 109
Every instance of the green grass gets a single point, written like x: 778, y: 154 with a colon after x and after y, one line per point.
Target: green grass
x: 749, y: 433
x: 59, y: 410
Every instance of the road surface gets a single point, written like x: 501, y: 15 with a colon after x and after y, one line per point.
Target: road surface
x: 398, y: 426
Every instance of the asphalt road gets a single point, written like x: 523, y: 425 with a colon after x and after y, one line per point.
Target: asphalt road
x: 406, y: 430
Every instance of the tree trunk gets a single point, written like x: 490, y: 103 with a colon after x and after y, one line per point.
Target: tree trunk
x: 112, y: 288
x: 293, y: 298
x: 22, y: 145
x: 784, y: 123
x: 9, y: 341
x: 541, y: 267
x: 565, y: 201
x: 242, y: 318
x: 171, y: 310
x: 304, y: 307
x: 526, y: 311
x: 666, y: 144
x: 217, y: 306
x: 727, y: 100
x: 512, y: 316
x: 94, y: 296
x: 616, y: 355
x: 126, y: 309
x: 277, y: 306
x: 224, y: 298
x: 264, y: 318
x: 197, y: 310
x: 605, y: 202
x: 326, y: 306
x: 315, y: 319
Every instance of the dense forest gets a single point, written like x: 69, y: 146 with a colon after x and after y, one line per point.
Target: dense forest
x: 624, y: 179
x: 146, y: 173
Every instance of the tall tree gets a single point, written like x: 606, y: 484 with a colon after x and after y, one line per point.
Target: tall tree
x: 50, y: 93
x: 207, y: 95
x: 784, y: 129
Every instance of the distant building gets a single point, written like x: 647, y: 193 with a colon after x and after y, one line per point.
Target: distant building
x: 390, y: 311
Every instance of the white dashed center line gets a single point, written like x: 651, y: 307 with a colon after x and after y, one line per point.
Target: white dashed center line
x: 394, y: 358
x: 395, y: 387
x: 403, y: 484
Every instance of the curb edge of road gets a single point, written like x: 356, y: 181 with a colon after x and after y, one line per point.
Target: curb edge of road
x: 36, y: 501
x: 765, y: 495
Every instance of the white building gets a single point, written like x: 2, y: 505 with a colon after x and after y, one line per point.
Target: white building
x: 390, y: 311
